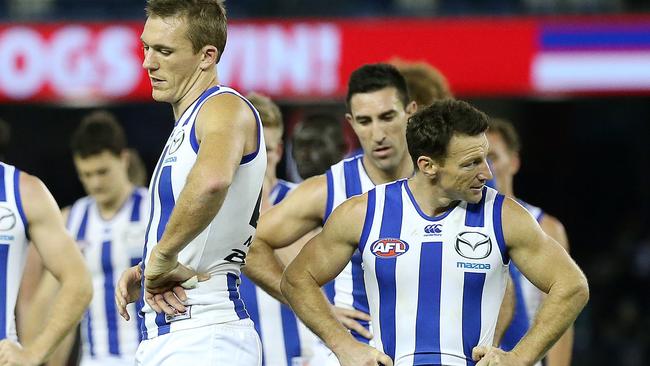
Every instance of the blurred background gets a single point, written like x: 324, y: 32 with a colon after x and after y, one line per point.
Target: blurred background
x: 572, y: 75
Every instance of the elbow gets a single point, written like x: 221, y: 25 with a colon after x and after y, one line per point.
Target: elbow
x: 580, y: 291
x: 287, y: 284
x: 217, y: 185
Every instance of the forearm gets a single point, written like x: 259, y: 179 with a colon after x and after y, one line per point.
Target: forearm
x: 71, y: 301
x: 197, y: 205
x: 506, y: 312
x: 548, y: 326
x: 265, y: 269
x: 560, y: 354
x: 308, y: 302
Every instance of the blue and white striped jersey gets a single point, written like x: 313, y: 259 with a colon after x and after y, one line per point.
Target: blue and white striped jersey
x: 220, y: 249
x: 435, y: 284
x: 13, y: 247
x: 527, y: 297
x: 286, y: 341
x: 109, y: 247
x: 346, y: 179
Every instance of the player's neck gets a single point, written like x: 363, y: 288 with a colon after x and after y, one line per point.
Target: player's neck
x: 380, y: 176
x: 507, y: 188
x: 203, y: 82
x: 429, y: 197
x: 108, y: 209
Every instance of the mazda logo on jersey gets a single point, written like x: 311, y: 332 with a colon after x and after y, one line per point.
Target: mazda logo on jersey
x: 389, y: 248
x: 177, y: 140
x: 7, y: 219
x: 473, y: 245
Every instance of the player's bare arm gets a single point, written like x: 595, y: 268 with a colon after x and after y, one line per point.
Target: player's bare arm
x: 506, y: 312
x: 285, y: 223
x: 320, y: 261
x: 535, y: 253
x: 226, y: 130
x: 61, y: 258
x: 560, y: 354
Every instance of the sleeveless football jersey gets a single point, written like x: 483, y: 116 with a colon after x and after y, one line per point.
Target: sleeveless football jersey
x: 527, y: 297
x: 346, y: 179
x: 286, y: 341
x: 221, y: 248
x: 13, y: 247
x: 435, y: 284
x: 109, y: 248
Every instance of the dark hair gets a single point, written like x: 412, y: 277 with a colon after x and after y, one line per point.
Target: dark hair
x: 206, y: 20
x: 507, y: 131
x: 97, y: 132
x: 429, y: 131
x: 373, y: 77
x: 5, y: 137
x: 424, y: 82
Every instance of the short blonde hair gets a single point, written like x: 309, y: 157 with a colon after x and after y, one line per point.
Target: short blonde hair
x: 269, y: 111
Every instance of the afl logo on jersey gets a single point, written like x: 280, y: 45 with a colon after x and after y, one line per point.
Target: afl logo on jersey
x: 473, y: 245
x: 7, y: 219
x: 389, y: 248
x: 177, y: 141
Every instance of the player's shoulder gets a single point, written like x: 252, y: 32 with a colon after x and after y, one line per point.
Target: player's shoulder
x: 353, y: 208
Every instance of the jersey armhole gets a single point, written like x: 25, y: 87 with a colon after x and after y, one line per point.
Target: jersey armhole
x: 330, y: 195
x: 367, y: 223
x: 19, y: 202
x: 498, y: 228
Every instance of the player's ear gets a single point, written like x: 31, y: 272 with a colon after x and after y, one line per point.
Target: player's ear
x: 427, y: 166
x: 515, y: 163
x: 411, y: 108
x: 209, y: 56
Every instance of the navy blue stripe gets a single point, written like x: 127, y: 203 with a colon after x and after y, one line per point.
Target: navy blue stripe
x: 605, y: 37
x: 167, y: 201
x: 109, y: 300
x: 3, y: 189
x: 391, y: 227
x: 472, y: 298
x: 137, y: 202
x: 233, y: 294
x: 19, y: 202
x: 81, y: 232
x: 248, y: 293
x: 283, y: 189
x: 427, y: 324
x: 4, y: 267
x: 359, y: 297
x: 352, y: 179
x: 89, y: 333
x: 330, y: 291
x: 474, y: 216
x: 138, y: 304
x: 292, y: 346
x: 330, y: 195
x: 520, y: 323
x: 144, y: 331
x: 194, y: 142
x: 498, y: 227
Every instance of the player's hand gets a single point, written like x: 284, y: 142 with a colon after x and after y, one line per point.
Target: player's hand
x: 492, y: 356
x: 12, y: 354
x: 359, y: 354
x: 348, y: 317
x: 128, y: 289
x: 165, y: 279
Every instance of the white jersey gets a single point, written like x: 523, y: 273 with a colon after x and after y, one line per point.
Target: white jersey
x: 435, y: 284
x: 109, y: 247
x: 346, y: 179
x: 13, y: 247
x: 220, y: 249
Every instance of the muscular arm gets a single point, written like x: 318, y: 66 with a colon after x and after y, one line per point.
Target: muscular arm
x: 548, y: 266
x: 506, y: 312
x: 282, y: 225
x: 225, y: 129
x: 320, y: 261
x: 62, y: 259
x: 560, y: 353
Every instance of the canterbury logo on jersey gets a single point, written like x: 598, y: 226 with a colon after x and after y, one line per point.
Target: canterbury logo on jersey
x: 473, y: 245
x: 433, y: 229
x: 389, y: 248
x: 7, y: 219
